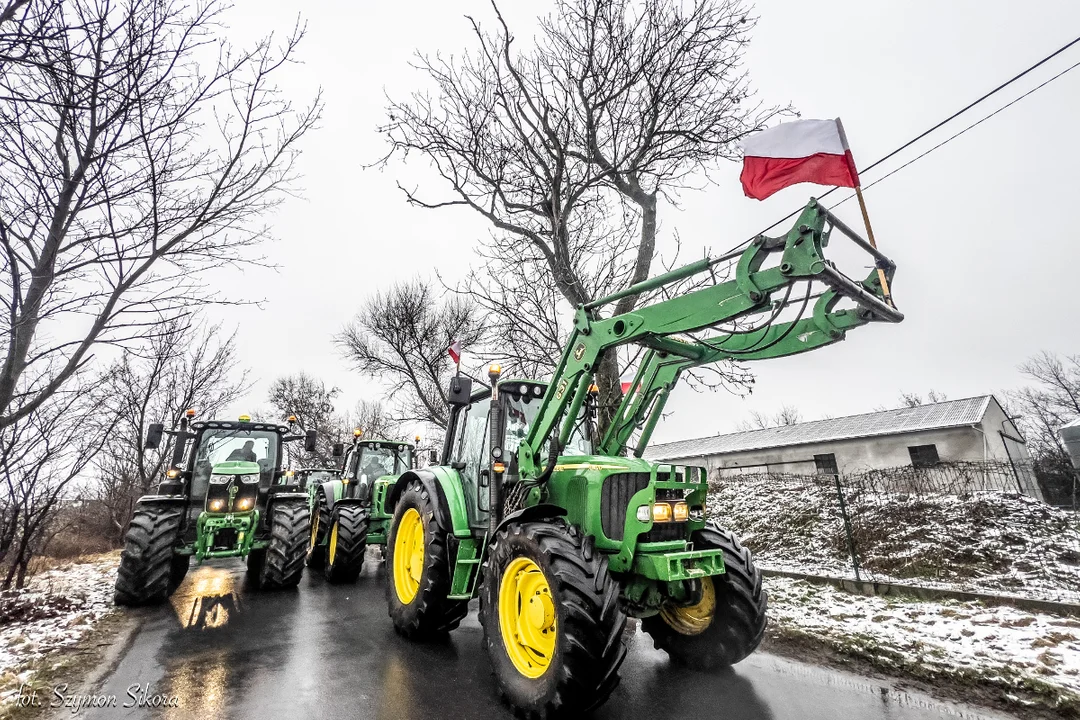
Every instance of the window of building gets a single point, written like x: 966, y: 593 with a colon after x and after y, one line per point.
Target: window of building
x: 826, y: 464
x: 923, y: 456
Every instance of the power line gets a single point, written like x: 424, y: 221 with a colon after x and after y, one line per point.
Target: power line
x: 958, y: 134
x: 947, y: 120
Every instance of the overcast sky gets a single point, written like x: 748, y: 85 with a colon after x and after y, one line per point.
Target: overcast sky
x: 984, y: 231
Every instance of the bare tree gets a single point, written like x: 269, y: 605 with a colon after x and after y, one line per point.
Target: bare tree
x: 401, y: 337
x: 912, y: 399
x: 312, y: 402
x: 568, y: 145
x: 41, y: 456
x: 137, y: 148
x: 185, y: 366
x: 786, y: 415
x: 374, y: 419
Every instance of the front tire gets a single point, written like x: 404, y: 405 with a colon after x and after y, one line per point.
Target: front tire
x: 727, y: 622
x: 552, y: 622
x: 281, y: 563
x: 348, y: 543
x: 418, y: 568
x: 146, y: 575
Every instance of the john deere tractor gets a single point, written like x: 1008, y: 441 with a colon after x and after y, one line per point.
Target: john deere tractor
x: 562, y: 532
x: 347, y: 512
x: 220, y: 498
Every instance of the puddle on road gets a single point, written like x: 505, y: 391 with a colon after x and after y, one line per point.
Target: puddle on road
x: 207, y: 599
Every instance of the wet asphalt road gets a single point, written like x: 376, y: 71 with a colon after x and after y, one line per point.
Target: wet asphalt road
x: 330, y: 652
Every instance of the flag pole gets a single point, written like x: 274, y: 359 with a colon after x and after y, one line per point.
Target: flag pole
x: 862, y: 206
x: 873, y: 243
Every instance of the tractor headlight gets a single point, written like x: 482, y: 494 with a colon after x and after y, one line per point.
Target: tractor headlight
x: 253, y: 478
x: 680, y: 512
x: 219, y: 479
x: 217, y: 505
x: 244, y: 504
x: 661, y: 512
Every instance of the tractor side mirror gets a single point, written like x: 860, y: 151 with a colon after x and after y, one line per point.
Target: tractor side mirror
x: 309, y: 441
x: 433, y: 458
x: 338, y: 449
x: 460, y: 391
x: 153, y: 436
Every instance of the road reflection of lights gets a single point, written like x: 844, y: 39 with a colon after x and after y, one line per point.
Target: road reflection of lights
x: 396, y: 699
x: 201, y: 684
x: 207, y: 599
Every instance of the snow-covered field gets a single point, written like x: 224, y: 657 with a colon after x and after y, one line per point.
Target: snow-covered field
x: 1016, y: 652
x: 56, y: 610
x: 993, y: 542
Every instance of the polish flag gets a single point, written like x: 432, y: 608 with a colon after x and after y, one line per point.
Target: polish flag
x: 455, y: 351
x: 627, y: 380
x: 814, y: 151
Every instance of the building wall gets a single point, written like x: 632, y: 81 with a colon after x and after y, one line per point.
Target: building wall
x: 851, y: 455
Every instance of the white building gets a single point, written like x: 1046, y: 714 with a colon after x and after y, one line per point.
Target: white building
x: 972, y: 429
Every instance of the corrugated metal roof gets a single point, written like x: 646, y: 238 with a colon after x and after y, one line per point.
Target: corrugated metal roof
x: 933, y: 416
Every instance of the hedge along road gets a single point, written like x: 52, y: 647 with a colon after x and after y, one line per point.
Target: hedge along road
x: 221, y: 650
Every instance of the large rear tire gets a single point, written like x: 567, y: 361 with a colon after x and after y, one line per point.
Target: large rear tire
x: 418, y: 568
x: 727, y: 622
x: 348, y: 543
x: 316, y: 557
x: 281, y: 563
x: 552, y: 623
x: 146, y: 575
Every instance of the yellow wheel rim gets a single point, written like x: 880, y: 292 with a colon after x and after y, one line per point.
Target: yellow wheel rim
x: 692, y: 619
x: 527, y: 617
x: 333, y: 542
x: 314, y: 531
x: 408, y: 555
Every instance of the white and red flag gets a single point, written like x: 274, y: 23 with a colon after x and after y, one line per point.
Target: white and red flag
x: 814, y: 151
x: 455, y: 351
x: 627, y: 380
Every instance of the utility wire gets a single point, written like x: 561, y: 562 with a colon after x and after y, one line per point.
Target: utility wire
x: 923, y: 134
x: 958, y: 134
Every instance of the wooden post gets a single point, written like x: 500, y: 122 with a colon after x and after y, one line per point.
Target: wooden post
x: 873, y: 243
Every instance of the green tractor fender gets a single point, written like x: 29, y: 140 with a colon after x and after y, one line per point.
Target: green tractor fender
x: 542, y: 511
x: 162, y: 500
x: 443, y: 483
x: 281, y: 493
x: 331, y: 490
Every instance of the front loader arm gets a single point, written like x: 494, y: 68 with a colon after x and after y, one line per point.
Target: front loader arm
x: 666, y: 329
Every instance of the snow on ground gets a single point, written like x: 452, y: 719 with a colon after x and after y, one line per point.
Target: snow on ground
x: 993, y: 542
x: 55, y: 610
x: 1010, y: 649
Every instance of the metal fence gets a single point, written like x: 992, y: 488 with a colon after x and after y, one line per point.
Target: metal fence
x: 968, y: 525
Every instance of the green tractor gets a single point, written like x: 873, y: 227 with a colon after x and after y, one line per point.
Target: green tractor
x: 563, y: 533
x: 225, y: 500
x: 347, y: 510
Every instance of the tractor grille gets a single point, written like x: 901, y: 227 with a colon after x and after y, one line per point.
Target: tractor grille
x: 665, y: 532
x: 225, y: 539
x: 615, y: 497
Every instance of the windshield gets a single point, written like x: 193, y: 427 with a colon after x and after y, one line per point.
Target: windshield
x: 218, y: 445
x: 318, y: 477
x: 522, y: 403
x: 378, y: 460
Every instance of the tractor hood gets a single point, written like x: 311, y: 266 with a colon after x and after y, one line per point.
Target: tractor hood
x: 236, y: 467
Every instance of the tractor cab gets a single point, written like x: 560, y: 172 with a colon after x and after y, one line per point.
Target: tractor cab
x: 308, y: 478
x: 369, y: 460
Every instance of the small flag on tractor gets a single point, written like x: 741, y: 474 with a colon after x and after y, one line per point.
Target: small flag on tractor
x: 455, y: 351
x: 627, y: 380
x: 814, y: 151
